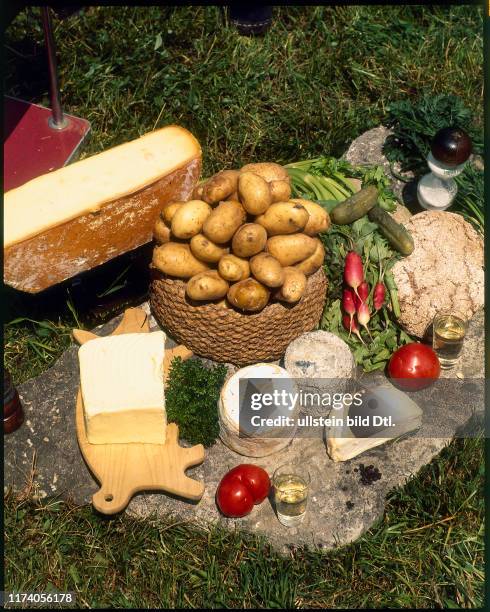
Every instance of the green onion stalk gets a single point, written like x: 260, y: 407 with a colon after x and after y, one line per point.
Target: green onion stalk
x: 335, y: 179
x: 320, y: 187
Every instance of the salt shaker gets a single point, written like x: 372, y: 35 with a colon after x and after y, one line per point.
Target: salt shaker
x: 450, y: 150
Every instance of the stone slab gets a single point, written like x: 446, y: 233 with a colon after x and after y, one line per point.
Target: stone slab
x: 367, y: 149
x: 48, y: 441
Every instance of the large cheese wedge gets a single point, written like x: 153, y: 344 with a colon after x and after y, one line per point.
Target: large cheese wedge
x: 78, y: 217
x: 122, y: 388
x: 235, y: 431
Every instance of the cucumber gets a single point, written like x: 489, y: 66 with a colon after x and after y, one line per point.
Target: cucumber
x: 397, y: 235
x: 355, y: 207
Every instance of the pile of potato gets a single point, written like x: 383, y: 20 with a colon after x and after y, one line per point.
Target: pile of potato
x: 242, y: 241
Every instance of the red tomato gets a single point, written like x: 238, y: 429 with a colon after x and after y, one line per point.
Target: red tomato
x: 241, y: 488
x: 415, y: 366
x: 234, y: 499
x: 254, y: 478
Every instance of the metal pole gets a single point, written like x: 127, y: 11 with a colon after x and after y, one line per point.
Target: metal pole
x: 57, y: 120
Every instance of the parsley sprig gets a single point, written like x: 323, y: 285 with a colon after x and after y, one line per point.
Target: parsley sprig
x: 191, y: 399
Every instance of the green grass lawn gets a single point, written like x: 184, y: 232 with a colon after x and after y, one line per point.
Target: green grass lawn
x: 314, y: 82
x: 427, y: 551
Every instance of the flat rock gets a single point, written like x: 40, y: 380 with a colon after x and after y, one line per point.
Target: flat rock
x: 367, y: 149
x: 340, y: 508
x: 48, y: 441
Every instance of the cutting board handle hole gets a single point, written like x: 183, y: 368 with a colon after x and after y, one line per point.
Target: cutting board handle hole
x: 109, y: 498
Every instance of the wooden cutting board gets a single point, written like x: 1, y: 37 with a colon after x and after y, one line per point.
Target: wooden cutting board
x: 125, y: 469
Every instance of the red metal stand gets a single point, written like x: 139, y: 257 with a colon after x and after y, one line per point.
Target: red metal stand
x: 31, y: 147
x: 37, y: 139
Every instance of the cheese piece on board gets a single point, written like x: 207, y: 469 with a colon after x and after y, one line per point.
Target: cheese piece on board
x: 122, y: 388
x: 235, y: 437
x: 80, y: 216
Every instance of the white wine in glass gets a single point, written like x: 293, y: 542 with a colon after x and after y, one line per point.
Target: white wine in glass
x: 290, y: 494
x: 449, y: 330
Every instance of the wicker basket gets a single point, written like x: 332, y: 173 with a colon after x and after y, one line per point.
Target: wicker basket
x: 226, y: 335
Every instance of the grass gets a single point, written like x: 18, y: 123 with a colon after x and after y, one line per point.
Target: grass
x: 315, y: 81
x: 427, y: 551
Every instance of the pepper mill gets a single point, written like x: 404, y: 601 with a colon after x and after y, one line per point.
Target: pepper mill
x: 13, y: 415
x: 450, y: 150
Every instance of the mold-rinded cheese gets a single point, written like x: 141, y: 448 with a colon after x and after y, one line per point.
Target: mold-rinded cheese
x: 122, y: 388
x: 70, y: 220
x: 319, y: 354
x: 269, y: 440
x: 321, y: 362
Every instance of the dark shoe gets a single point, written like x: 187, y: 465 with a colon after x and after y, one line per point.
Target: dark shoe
x: 251, y: 20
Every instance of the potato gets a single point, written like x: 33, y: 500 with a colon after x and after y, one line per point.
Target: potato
x: 189, y: 218
x: 277, y: 176
x: 206, y: 286
x: 220, y: 186
x: 254, y: 193
x: 249, y: 295
x: 283, y: 218
x: 176, y: 259
x: 280, y: 191
x: 268, y: 171
x: 294, y: 286
x: 319, y: 220
x: 249, y: 240
x: 267, y: 270
x: 291, y: 248
x: 315, y: 261
x: 233, y: 268
x: 205, y: 250
x: 169, y: 211
x: 161, y: 231
x: 224, y: 221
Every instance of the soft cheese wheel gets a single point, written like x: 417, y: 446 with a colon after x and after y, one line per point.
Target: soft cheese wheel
x: 240, y: 440
x: 319, y: 354
x: 122, y: 384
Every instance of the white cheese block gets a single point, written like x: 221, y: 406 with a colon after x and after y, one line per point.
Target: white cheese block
x: 122, y: 388
x: 84, y: 186
x: 271, y: 439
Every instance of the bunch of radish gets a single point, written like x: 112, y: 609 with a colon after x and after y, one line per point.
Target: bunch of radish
x: 355, y: 296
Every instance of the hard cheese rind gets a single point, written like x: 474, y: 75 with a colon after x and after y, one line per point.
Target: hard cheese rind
x: 78, y: 217
x: 122, y: 388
